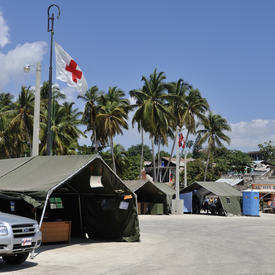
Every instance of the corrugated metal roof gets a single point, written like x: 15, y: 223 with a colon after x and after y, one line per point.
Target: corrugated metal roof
x: 231, y: 182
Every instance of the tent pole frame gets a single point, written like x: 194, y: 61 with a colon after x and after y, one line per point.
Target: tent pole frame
x: 44, y: 209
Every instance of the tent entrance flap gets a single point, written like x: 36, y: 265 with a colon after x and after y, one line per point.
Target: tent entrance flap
x: 110, y: 217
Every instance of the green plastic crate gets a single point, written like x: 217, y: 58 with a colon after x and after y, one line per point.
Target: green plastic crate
x: 157, y: 209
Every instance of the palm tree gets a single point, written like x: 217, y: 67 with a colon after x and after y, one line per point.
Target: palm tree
x: 6, y: 139
x: 90, y: 113
x: 139, y: 101
x: 5, y: 101
x: 178, y: 106
x: 21, y: 122
x: 196, y: 107
x: 112, y: 118
x: 213, y: 133
x: 64, y: 129
x: 152, y: 113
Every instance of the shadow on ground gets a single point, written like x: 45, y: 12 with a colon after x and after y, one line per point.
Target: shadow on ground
x: 7, y: 268
x: 74, y: 241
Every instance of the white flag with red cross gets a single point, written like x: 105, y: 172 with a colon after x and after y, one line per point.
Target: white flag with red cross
x: 68, y: 71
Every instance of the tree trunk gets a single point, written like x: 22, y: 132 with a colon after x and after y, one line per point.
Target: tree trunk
x: 158, y: 177
x: 186, y: 139
x: 141, y: 157
x: 207, y: 162
x: 95, y: 140
x: 153, y: 159
x: 112, y: 150
x: 170, y: 158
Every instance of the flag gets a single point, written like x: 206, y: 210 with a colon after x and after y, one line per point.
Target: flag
x: 180, y: 139
x: 68, y: 71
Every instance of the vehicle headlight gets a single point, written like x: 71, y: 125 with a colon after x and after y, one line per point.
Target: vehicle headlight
x: 3, y: 230
x: 36, y: 227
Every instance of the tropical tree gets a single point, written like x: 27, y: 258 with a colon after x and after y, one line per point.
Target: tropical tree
x: 213, y: 133
x: 196, y: 107
x: 6, y: 101
x: 112, y: 117
x: 64, y: 129
x: 6, y: 140
x: 139, y: 102
x: 267, y: 149
x: 21, y: 120
x: 152, y: 113
x: 91, y: 110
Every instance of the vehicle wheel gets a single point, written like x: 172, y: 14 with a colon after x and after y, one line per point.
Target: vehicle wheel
x: 16, y: 258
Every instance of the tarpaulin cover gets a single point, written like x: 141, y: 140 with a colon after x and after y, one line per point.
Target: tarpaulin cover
x: 33, y: 179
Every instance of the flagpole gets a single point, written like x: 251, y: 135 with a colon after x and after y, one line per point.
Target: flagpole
x: 51, y: 30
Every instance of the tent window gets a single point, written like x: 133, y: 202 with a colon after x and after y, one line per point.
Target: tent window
x: 228, y: 200
x: 56, y: 203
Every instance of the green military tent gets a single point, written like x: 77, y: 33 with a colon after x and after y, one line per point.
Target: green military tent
x: 80, y: 188
x: 230, y: 198
x: 149, y: 192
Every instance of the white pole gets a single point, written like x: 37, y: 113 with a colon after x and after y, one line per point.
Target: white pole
x: 36, y: 119
x: 177, y: 166
x: 185, y: 171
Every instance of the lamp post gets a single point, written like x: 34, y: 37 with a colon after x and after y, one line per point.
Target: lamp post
x: 36, y: 119
x: 51, y: 30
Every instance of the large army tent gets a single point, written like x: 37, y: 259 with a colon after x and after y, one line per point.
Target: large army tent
x: 149, y: 192
x: 230, y: 198
x: 82, y: 189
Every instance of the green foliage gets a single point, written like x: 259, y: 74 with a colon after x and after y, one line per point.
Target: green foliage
x: 220, y: 163
x: 195, y: 172
x: 267, y: 149
x: 164, y: 154
x: 232, y: 160
x: 135, y: 150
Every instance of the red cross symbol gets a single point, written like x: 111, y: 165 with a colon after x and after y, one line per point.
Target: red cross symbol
x: 75, y: 73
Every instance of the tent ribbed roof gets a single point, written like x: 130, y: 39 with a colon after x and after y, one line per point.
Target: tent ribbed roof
x: 40, y: 173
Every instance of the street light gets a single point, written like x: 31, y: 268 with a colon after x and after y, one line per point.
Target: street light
x: 36, y: 119
x: 51, y: 30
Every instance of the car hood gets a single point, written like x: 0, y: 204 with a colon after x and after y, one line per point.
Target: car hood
x: 13, y: 219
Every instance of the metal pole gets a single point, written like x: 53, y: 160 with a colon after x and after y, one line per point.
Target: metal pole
x: 36, y: 120
x: 185, y: 171
x: 177, y: 165
x: 51, y: 30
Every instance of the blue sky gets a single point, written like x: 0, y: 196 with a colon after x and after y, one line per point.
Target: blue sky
x: 226, y: 49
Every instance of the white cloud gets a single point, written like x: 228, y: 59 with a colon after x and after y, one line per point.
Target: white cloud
x: 70, y: 93
x: 13, y: 62
x: 4, y: 31
x: 246, y: 135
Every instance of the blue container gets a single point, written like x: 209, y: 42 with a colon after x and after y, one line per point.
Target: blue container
x: 187, y: 200
x: 251, y: 203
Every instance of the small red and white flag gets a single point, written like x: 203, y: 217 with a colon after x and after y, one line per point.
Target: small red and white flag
x: 68, y: 71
